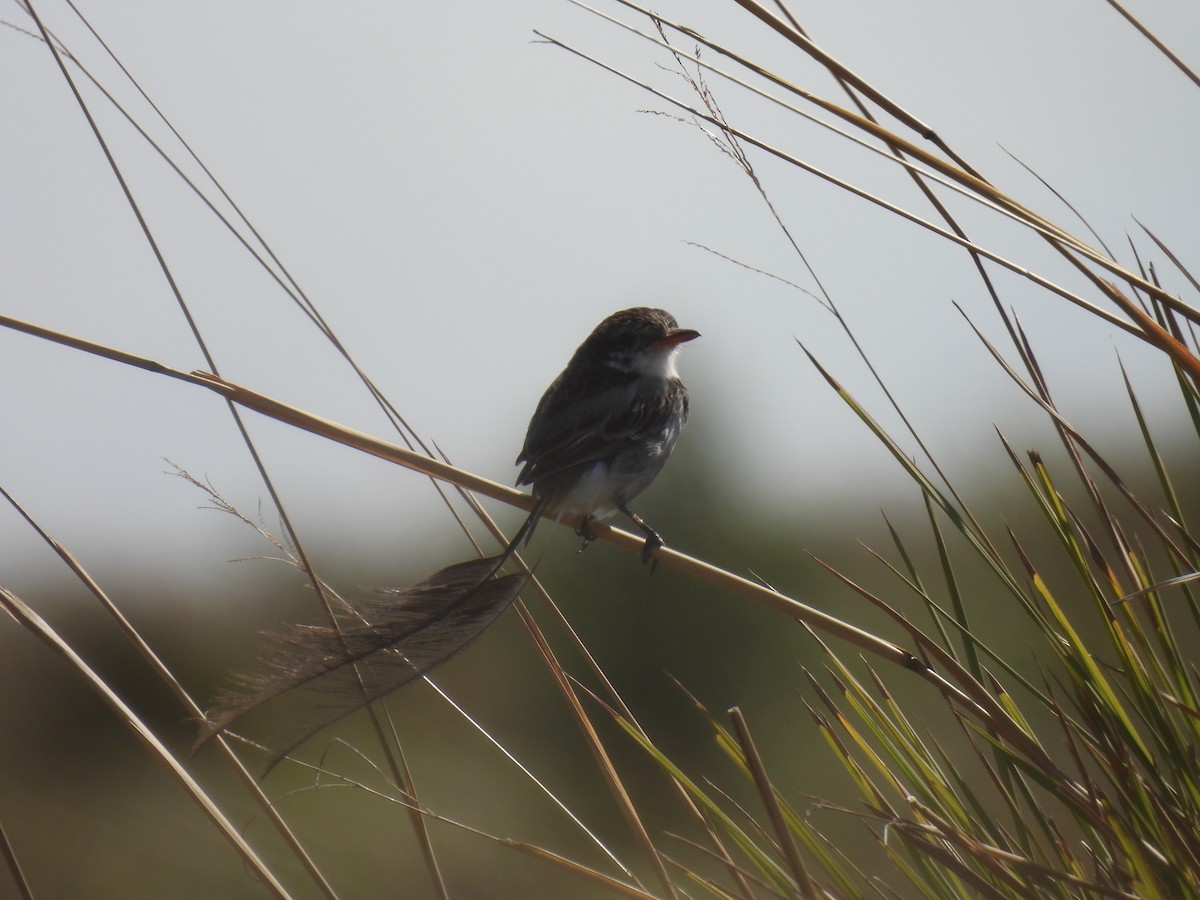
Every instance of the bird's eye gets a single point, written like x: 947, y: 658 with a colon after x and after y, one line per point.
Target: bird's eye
x: 626, y: 340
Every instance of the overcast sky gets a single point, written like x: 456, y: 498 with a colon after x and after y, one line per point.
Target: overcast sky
x: 464, y: 203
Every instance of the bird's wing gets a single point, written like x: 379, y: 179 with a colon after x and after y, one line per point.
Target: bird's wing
x: 566, y: 432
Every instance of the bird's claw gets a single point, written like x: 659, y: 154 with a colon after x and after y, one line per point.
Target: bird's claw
x: 585, y: 531
x: 650, y: 551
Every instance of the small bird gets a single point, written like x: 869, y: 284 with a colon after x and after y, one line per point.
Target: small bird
x: 601, y: 433
x: 606, y: 426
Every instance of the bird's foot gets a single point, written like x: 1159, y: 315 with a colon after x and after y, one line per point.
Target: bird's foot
x: 653, y: 539
x: 585, y: 531
x: 650, y: 550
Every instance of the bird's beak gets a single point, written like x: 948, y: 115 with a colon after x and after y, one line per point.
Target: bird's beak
x: 677, y: 336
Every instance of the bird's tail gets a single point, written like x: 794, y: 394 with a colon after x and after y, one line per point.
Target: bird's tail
x: 402, y: 635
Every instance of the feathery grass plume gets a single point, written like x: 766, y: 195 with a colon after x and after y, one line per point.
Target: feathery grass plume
x: 318, y: 674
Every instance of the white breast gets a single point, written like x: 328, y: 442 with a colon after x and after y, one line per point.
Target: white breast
x: 654, y: 364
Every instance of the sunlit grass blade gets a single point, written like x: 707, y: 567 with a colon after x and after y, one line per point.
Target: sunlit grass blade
x: 763, y: 860
x: 956, y: 599
x: 1080, y: 659
x: 769, y: 795
x: 12, y: 863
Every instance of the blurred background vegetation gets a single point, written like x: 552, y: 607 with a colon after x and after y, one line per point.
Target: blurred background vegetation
x: 83, y: 782
x: 88, y: 812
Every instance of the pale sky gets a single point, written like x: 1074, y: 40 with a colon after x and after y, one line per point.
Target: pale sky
x: 463, y: 204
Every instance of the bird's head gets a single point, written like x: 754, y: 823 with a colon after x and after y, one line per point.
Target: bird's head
x: 640, y: 340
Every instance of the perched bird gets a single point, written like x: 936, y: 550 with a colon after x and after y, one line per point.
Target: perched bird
x: 606, y: 426
x: 601, y: 433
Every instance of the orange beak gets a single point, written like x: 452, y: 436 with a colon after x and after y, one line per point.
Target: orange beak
x: 677, y: 336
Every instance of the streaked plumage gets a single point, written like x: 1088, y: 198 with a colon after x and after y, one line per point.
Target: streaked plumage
x: 606, y: 426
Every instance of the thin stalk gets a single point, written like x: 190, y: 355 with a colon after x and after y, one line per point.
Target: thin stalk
x: 185, y: 699
x: 25, y: 615
x: 14, y: 866
x: 374, y: 446
x: 769, y: 796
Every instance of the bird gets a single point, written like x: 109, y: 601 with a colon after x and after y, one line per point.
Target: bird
x: 600, y: 435
x: 607, y: 424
